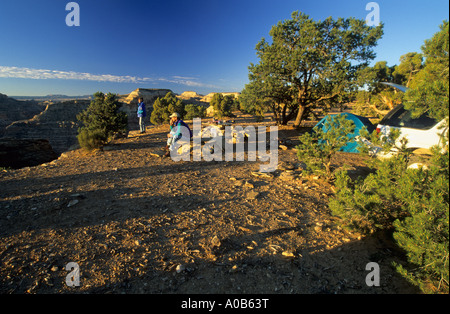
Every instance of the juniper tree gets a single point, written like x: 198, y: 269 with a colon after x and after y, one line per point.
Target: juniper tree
x: 164, y: 107
x: 310, y: 64
x: 101, y: 120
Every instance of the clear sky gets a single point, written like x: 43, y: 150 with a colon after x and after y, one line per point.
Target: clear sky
x: 190, y: 45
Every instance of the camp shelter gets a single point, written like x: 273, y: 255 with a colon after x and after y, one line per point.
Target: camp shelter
x: 360, y: 122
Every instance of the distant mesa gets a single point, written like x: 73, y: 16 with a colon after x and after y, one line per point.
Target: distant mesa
x: 189, y: 95
x: 209, y: 97
x: 149, y: 95
x: 56, y: 97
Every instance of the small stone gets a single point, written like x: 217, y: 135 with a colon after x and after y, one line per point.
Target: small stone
x: 54, y: 268
x: 215, y: 241
x: 252, y: 195
x: 180, y: 268
x: 72, y: 203
x: 288, y: 254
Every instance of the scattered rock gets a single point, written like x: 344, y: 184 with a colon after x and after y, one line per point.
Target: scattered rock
x: 180, y: 268
x: 287, y: 176
x: 288, y: 254
x: 252, y: 195
x: 72, y: 203
x: 215, y: 241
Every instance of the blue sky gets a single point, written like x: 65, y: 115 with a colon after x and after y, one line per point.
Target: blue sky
x: 190, y: 45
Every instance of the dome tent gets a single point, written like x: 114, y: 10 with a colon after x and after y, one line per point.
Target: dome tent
x: 360, y: 122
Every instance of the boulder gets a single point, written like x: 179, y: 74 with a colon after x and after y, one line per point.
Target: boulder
x: 16, y: 153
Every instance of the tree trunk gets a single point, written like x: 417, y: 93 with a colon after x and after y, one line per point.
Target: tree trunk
x: 276, y: 114
x: 283, y: 114
x: 299, y: 119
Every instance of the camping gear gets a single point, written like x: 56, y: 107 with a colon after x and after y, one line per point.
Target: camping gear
x: 360, y: 122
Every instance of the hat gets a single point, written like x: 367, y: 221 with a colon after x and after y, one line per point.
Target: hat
x: 175, y: 115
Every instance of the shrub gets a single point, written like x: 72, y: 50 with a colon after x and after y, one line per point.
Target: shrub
x: 91, y: 139
x: 412, y: 202
x: 316, y: 149
x: 424, y: 234
x: 223, y: 105
x: 194, y: 111
x: 164, y: 107
x: 372, y: 203
x: 100, y: 121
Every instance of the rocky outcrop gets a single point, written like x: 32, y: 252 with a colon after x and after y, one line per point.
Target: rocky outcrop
x: 189, y: 95
x: 14, y: 110
x: 16, y: 153
x: 208, y: 97
x: 130, y: 101
x: 57, y: 123
x: 149, y: 95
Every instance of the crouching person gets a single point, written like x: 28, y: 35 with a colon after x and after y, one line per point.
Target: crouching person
x: 180, y: 135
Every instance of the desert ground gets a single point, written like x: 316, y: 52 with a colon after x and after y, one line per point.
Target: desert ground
x: 135, y: 222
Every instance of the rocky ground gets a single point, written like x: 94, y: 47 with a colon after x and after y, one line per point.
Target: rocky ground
x: 138, y: 223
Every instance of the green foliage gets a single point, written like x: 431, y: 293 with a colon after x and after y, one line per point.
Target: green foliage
x: 251, y: 104
x: 370, y: 204
x: 430, y: 88
x: 310, y: 64
x: 410, y: 64
x: 223, y: 105
x: 378, y: 99
x: 91, y: 139
x: 412, y: 202
x: 194, y: 111
x: 164, y: 107
x: 317, y: 149
x: 424, y: 234
x: 100, y: 121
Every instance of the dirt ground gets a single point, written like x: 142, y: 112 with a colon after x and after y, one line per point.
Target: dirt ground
x: 138, y: 223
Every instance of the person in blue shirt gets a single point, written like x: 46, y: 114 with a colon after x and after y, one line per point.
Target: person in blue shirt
x: 141, y: 113
x: 175, y: 134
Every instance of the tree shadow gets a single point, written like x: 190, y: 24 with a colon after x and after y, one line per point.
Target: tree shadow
x: 42, y: 203
x: 312, y: 270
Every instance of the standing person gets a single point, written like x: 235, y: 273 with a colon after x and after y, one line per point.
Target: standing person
x: 141, y: 113
x: 175, y: 131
